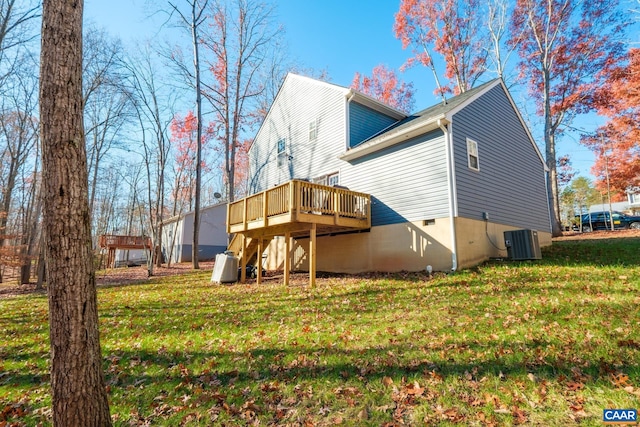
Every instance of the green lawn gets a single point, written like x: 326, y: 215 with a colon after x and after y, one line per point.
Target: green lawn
x: 546, y: 343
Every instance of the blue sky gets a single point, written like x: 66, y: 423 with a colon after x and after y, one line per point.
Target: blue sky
x: 340, y: 36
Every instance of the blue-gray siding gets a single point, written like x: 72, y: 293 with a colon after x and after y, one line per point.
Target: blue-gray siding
x: 510, y: 184
x: 407, y: 182
x: 365, y: 122
x: 205, y: 252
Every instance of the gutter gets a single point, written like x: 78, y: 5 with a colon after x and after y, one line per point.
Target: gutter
x: 393, y: 137
x: 445, y: 126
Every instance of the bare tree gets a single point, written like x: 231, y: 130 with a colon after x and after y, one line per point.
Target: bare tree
x: 31, y: 212
x: 499, y: 51
x: 192, y: 20
x: 79, y: 396
x: 16, y: 30
x: 107, y: 103
x: 238, y: 49
x: 18, y: 135
x: 154, y: 114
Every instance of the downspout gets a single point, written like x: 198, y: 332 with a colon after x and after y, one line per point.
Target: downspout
x: 545, y: 172
x: 453, y: 202
x: 347, y: 128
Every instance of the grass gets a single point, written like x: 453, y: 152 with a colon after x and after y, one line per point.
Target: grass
x: 548, y: 343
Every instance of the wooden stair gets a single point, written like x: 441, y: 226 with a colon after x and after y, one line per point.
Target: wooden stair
x: 252, y: 247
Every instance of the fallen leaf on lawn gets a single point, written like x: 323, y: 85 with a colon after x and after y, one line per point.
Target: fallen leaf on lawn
x: 414, y: 389
x: 387, y: 381
x: 363, y: 414
x: 629, y: 344
x: 620, y: 379
x: 519, y: 416
x: 574, y: 386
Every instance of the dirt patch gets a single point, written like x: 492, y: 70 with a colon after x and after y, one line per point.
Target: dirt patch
x: 129, y: 275
x: 113, y: 276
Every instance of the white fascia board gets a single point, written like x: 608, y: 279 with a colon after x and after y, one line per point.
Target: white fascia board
x: 524, y: 125
x: 393, y: 137
x: 374, y: 104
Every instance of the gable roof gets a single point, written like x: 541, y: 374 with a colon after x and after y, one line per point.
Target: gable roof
x: 430, y: 119
x: 348, y: 93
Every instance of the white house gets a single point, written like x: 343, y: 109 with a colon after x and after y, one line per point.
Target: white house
x: 177, y: 234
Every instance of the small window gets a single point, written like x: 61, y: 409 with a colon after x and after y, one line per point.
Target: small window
x: 313, y: 130
x: 282, y: 152
x: 320, y: 180
x: 472, y: 155
x: 333, y: 180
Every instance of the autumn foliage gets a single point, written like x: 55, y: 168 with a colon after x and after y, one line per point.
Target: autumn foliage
x: 565, y: 47
x: 241, y: 169
x: 617, y: 143
x: 450, y: 29
x: 385, y: 86
x: 183, y: 135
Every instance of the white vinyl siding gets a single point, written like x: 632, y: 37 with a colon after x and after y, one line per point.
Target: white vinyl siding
x: 300, y: 102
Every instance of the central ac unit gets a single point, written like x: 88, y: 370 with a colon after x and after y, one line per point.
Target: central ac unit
x: 522, y: 244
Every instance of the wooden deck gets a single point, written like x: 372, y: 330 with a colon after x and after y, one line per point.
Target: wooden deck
x: 296, y: 205
x: 295, y: 209
x: 124, y: 242
x: 111, y: 242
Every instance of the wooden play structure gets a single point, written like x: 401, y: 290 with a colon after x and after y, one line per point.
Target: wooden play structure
x: 113, y: 242
x: 293, y: 210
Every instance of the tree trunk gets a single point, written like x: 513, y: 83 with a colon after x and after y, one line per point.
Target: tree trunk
x: 196, y: 65
x: 41, y: 264
x: 79, y: 397
x: 550, y: 154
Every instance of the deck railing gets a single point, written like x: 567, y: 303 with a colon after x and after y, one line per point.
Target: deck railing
x: 300, y: 201
x: 124, y: 242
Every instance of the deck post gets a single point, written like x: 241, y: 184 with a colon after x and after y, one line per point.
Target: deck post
x: 259, y: 260
x: 265, y: 209
x: 244, y: 213
x: 293, y: 205
x: 336, y: 206
x: 287, y: 257
x: 243, y: 260
x: 111, y: 258
x: 312, y: 255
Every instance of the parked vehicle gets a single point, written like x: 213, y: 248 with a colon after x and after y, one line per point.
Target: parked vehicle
x: 602, y: 221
